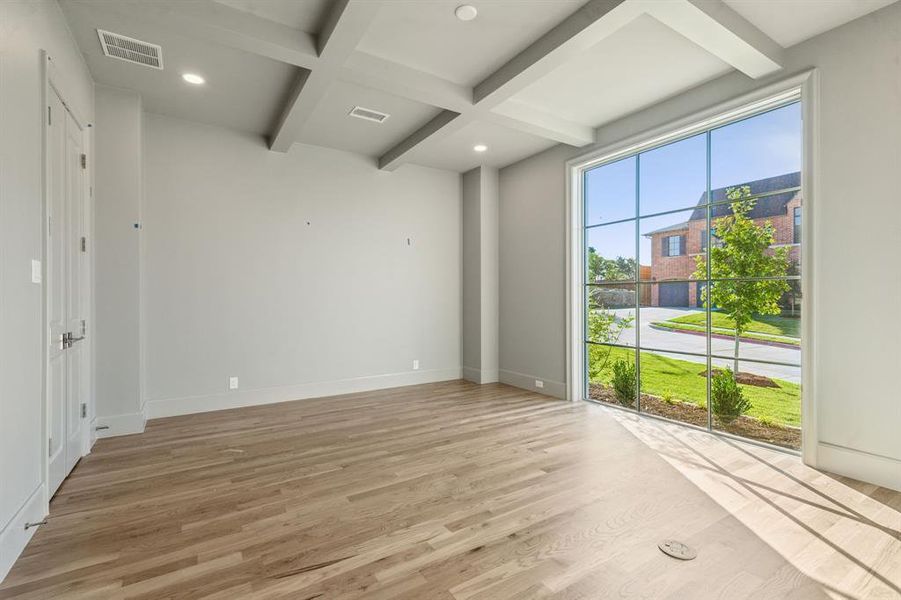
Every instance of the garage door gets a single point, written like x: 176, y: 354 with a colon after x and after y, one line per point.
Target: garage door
x: 674, y: 294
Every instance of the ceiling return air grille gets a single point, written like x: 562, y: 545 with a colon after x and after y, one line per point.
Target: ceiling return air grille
x: 369, y: 114
x: 130, y: 49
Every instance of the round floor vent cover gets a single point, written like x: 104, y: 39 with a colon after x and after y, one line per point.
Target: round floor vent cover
x: 677, y: 549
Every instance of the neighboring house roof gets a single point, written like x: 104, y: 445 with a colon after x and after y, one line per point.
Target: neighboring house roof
x: 769, y: 206
x: 668, y: 228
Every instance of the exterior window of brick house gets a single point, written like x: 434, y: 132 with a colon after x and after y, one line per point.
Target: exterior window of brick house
x: 796, y: 228
x: 674, y: 245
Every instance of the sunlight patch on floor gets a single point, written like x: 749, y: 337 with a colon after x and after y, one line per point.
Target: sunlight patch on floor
x: 842, y: 533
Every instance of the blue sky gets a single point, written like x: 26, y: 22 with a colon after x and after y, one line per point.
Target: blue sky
x: 674, y: 177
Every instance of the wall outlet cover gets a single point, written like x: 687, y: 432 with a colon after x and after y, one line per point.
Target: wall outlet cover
x: 415, y: 364
x: 232, y: 383
x: 539, y: 383
x: 35, y: 271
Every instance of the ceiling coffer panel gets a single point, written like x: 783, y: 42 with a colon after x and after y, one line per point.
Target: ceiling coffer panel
x: 131, y: 50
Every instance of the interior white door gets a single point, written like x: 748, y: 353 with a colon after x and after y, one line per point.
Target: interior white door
x: 55, y: 285
x: 64, y: 283
x: 75, y: 361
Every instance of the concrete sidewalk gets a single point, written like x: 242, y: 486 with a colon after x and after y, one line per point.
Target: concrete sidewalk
x: 674, y: 341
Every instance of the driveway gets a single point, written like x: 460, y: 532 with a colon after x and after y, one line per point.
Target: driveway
x: 673, y: 341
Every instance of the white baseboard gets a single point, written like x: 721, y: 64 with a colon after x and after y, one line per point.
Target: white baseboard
x: 480, y: 375
x: 127, y: 424
x: 872, y: 468
x: 171, y: 407
x: 553, y: 388
x: 14, y: 537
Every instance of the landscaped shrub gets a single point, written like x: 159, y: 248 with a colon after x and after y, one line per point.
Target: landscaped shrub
x: 623, y: 381
x: 728, y: 401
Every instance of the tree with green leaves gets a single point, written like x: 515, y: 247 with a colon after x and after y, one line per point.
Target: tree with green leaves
x: 609, y: 269
x: 604, y: 327
x: 603, y: 324
x: 744, y: 251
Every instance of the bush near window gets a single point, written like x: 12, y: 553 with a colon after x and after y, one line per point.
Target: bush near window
x: 623, y: 381
x: 727, y: 400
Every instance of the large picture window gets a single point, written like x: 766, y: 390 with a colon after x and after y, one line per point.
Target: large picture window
x: 702, y: 333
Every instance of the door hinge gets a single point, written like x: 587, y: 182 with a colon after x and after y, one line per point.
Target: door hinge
x: 84, y: 161
x: 50, y: 447
x: 84, y: 244
x: 84, y: 327
x: 84, y: 410
x: 49, y: 120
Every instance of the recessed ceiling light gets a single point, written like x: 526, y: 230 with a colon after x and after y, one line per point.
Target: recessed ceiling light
x: 466, y: 12
x: 192, y: 78
x: 480, y: 148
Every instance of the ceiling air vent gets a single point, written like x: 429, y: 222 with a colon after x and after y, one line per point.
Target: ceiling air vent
x: 130, y: 49
x: 369, y: 114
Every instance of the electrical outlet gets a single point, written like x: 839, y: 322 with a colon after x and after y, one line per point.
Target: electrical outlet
x: 232, y: 383
x: 539, y: 384
x: 35, y: 271
x: 415, y: 364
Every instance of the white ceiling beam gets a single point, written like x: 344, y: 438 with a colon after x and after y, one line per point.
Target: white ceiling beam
x: 345, y: 26
x: 394, y: 78
x: 521, y: 117
x: 721, y: 31
x: 445, y: 123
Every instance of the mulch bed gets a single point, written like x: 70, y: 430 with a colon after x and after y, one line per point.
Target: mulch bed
x: 747, y: 379
x: 685, y: 412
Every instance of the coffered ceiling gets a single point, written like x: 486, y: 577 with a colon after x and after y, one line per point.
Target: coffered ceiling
x: 522, y: 76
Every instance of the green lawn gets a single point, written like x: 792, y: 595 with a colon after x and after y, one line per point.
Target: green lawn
x: 680, y: 379
x: 729, y: 332
x: 765, y: 324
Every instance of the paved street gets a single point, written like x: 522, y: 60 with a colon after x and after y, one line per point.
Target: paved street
x: 685, y: 342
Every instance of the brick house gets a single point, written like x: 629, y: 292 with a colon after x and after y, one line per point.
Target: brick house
x: 675, y: 247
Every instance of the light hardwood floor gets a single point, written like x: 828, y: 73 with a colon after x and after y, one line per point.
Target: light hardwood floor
x: 451, y: 491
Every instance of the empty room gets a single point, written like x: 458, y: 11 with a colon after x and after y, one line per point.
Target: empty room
x: 450, y: 299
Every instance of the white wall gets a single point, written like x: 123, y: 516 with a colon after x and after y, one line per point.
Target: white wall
x: 117, y: 194
x: 291, y: 271
x: 25, y: 29
x: 533, y: 272
x: 857, y: 281
x: 490, y: 273
x: 471, y: 329
x: 480, y: 275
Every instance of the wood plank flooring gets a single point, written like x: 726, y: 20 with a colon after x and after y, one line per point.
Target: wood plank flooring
x: 443, y: 491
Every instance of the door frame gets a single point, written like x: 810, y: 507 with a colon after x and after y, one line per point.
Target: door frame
x: 805, y: 85
x: 54, y: 81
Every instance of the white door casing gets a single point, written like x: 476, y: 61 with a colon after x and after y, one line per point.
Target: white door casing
x: 55, y: 289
